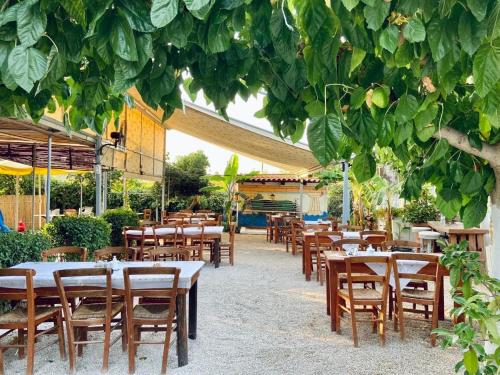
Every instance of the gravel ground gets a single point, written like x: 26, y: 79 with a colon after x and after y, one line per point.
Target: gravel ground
x: 262, y: 317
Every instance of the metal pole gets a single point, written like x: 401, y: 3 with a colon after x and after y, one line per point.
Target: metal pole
x: 47, y: 183
x: 33, y: 192
x: 98, y: 177
x: 39, y: 202
x: 346, y: 205
x: 81, y: 195
x: 301, y: 189
x: 104, y: 191
x: 16, y: 210
x: 163, y: 188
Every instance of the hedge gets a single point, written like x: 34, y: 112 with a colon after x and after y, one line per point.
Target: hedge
x: 17, y: 247
x: 119, y: 218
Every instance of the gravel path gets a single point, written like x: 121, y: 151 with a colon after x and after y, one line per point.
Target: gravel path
x: 261, y: 317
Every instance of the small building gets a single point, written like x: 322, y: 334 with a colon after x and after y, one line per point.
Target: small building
x: 275, y: 193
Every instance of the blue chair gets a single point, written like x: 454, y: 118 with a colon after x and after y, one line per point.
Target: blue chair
x: 3, y: 228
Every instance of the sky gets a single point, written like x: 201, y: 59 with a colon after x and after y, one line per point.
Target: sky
x: 179, y: 144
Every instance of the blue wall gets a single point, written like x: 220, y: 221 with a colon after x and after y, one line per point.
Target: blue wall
x: 259, y: 220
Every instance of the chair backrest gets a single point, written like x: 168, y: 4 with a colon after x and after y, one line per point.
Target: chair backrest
x: 59, y: 254
x: 204, y: 211
x: 232, y: 233
x: 432, y: 275
x: 186, y: 211
x: 198, y: 233
x: 351, y: 228
x: 412, y: 246
x: 339, y: 245
x: 27, y: 293
x: 210, y: 223
x: 316, y: 227
x: 162, y: 235
x: 70, y: 212
x: 373, y: 233
x: 324, y: 240
x: 365, y: 277
x: 169, y: 292
x: 169, y: 253
x: 121, y: 253
x: 67, y: 289
x: 146, y: 214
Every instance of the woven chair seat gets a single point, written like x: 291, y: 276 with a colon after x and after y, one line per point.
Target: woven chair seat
x: 418, y: 294
x: 151, y: 312
x: 20, y: 314
x: 343, y: 277
x: 362, y: 294
x: 95, y: 311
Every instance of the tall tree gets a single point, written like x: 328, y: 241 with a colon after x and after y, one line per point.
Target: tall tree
x: 186, y: 175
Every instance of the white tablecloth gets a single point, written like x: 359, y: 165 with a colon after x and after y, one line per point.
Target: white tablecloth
x: 44, y: 275
x: 312, y: 222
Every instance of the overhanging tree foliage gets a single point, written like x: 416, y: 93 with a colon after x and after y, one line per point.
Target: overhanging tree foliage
x: 418, y: 76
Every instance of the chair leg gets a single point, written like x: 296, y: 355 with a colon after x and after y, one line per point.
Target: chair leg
x: 31, y: 350
x: 382, y: 321
x: 374, y: 320
x: 435, y: 324
x: 396, y: 316
x: 339, y: 313
x: 71, y: 348
x: 1, y: 362
x: 401, y: 320
x: 131, y: 348
x: 60, y: 336
x: 20, y: 341
x: 354, y: 325
x: 79, y: 337
x: 107, y: 339
x: 166, y: 348
x: 124, y: 330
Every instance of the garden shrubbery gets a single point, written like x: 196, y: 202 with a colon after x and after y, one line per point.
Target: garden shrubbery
x: 17, y: 247
x: 86, y: 231
x: 119, y: 218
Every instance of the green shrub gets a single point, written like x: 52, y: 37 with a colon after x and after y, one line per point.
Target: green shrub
x: 214, y: 201
x: 86, y: 231
x: 17, y: 247
x: 119, y: 218
x: 420, y: 211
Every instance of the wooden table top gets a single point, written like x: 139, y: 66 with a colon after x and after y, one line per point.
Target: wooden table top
x: 456, y: 228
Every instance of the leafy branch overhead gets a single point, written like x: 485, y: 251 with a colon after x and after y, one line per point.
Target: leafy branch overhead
x: 355, y: 72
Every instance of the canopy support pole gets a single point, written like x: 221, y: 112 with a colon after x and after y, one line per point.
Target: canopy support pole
x: 163, y: 188
x: 104, y: 191
x: 81, y: 196
x: 346, y: 206
x: 39, y: 202
x: 47, y: 186
x: 33, y: 181
x: 98, y: 177
x: 16, y: 209
x: 301, y: 201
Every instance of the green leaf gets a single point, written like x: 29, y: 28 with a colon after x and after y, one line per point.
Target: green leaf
x: 358, y: 55
x: 315, y: 108
x: 423, y: 122
x: 380, y: 96
x: 376, y: 15
x: 364, y: 167
x: 76, y: 10
x: 194, y: 5
x: 27, y: 65
x: 439, y: 38
x: 470, y: 33
x: 138, y: 15
x: 386, y: 130
x: 414, y: 31
x: 438, y: 152
x: 403, y: 132
x: 219, y: 37
x: 350, y: 4
x: 179, y: 29
x: 407, y: 108
x: 357, y: 98
x: 471, y: 362
x: 9, y: 14
x: 364, y: 127
x: 122, y: 38
x: 472, y: 183
x: 31, y: 22
x: 485, y: 68
x: 284, y: 40
x: 478, y: 8
x: 313, y: 64
x: 389, y: 38
x: 163, y: 12
x: 475, y: 211
x: 449, y: 201
x: 323, y: 135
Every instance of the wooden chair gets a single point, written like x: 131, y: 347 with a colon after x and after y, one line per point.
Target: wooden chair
x: 374, y: 237
x: 372, y: 300
x: 350, y: 228
x: 60, y: 254
x: 322, y: 242
x: 316, y: 227
x: 27, y: 319
x: 414, y: 296
x: 89, y: 316
x: 137, y: 235
x: 167, y: 235
x: 227, y: 248
x: 340, y: 244
x: 193, y: 241
x: 121, y: 253
x: 157, y: 314
x: 404, y: 246
x: 170, y: 253
x: 269, y: 228
x: 146, y: 214
x: 297, y: 237
x: 287, y: 230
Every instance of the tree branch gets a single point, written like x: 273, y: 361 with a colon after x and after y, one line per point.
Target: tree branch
x: 490, y: 153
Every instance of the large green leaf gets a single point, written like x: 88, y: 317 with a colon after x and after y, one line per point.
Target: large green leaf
x: 478, y: 8
x: 284, y: 39
x: 357, y: 58
x: 438, y: 152
x: 350, y: 4
x: 471, y: 184
x: 475, y: 211
x: 194, y: 5
x: 414, y: 30
x: 314, y: 65
x: 323, y: 136
x: 179, y: 29
x: 439, y: 38
x: 138, y: 15
x: 376, y: 15
x: 449, y: 201
x: 9, y: 14
x: 425, y: 129
x: 485, y: 69
x: 76, y: 10
x: 389, y: 38
x: 219, y: 37
x: 27, y: 65
x: 407, y: 108
x: 364, y: 167
x: 364, y: 127
x: 163, y: 12
x: 403, y: 132
x: 31, y: 22
x: 122, y: 38
x: 470, y: 33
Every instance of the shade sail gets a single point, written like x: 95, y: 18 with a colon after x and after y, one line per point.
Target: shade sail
x: 17, y: 169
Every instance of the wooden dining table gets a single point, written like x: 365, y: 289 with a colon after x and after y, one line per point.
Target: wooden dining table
x: 456, y: 233
x: 335, y: 264
x: 45, y: 286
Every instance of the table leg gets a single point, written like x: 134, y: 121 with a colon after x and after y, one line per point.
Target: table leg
x: 182, y: 341
x: 275, y: 233
x: 193, y: 310
x: 217, y: 252
x: 441, y: 300
x: 333, y: 281
x: 327, y: 288
x: 307, y: 258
